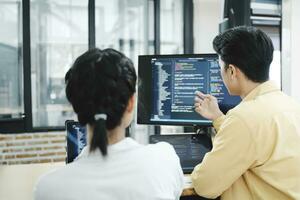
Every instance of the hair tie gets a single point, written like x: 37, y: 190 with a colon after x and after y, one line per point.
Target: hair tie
x: 100, y: 116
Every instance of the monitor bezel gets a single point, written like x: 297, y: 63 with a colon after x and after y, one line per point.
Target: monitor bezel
x: 141, y: 95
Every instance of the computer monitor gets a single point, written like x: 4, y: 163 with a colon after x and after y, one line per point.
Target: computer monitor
x: 76, y: 139
x: 190, y: 148
x: 167, y: 85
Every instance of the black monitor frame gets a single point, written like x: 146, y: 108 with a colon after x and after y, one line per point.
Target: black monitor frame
x: 144, y: 103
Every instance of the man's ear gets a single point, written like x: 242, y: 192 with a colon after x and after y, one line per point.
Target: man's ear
x: 131, y: 102
x: 233, y: 71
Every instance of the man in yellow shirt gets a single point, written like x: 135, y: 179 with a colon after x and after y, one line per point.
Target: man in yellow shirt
x: 256, y: 151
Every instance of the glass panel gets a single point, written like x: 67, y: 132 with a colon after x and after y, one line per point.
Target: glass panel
x: 171, y: 39
x: 11, y: 68
x: 127, y: 26
x: 59, y: 33
x: 123, y: 25
x: 171, y: 26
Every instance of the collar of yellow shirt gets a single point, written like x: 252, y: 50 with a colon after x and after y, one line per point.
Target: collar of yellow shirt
x: 266, y: 87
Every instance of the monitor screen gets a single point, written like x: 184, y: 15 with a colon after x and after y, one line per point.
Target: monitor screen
x: 167, y: 85
x: 190, y: 148
x: 76, y: 139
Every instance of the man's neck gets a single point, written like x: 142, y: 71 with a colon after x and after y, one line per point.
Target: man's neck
x: 247, y: 87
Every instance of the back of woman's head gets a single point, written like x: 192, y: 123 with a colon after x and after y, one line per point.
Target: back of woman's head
x: 100, y: 83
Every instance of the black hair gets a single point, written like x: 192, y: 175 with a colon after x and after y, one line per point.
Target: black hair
x: 100, y: 82
x: 248, y: 48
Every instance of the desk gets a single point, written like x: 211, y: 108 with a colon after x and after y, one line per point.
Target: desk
x: 17, y: 181
x: 22, y: 178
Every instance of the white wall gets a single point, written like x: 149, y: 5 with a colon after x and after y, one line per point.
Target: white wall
x: 207, y: 16
x: 291, y: 47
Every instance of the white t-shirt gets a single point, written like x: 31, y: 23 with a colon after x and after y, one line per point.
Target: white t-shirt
x: 130, y: 171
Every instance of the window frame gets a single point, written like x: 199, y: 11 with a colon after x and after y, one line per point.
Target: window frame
x: 24, y: 124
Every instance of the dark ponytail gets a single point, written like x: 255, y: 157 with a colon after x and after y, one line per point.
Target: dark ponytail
x: 100, y: 82
x: 99, y: 139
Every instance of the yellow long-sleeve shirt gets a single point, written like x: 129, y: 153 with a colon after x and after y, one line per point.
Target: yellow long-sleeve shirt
x: 256, y: 151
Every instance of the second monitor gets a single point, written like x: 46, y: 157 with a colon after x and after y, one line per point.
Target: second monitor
x: 167, y: 85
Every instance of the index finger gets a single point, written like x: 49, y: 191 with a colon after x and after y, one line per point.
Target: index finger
x: 201, y: 95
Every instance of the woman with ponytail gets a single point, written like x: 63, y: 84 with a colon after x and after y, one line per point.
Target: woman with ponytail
x: 101, y: 88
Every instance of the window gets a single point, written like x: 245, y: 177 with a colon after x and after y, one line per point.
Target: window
x: 123, y: 25
x: 42, y: 38
x: 11, y: 73
x: 171, y: 26
x: 171, y: 38
x: 59, y: 33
